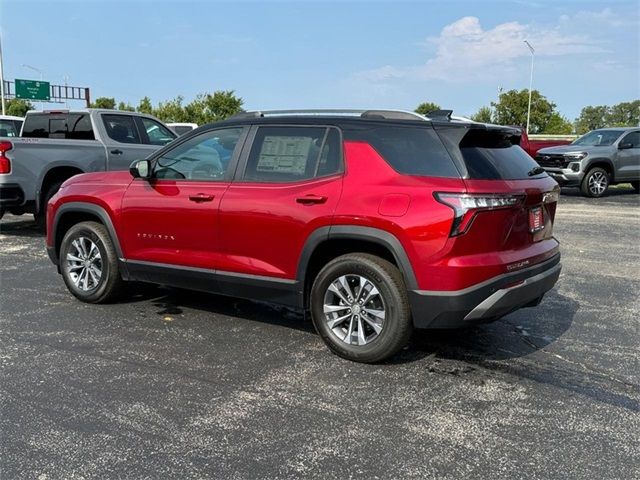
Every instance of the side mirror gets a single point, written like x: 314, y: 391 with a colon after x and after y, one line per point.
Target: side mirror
x: 625, y: 145
x: 140, y: 169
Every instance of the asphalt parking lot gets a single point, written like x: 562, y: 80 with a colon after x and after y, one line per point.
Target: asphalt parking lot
x: 175, y: 384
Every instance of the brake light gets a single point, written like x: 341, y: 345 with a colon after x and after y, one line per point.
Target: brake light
x: 5, y: 163
x: 465, y: 206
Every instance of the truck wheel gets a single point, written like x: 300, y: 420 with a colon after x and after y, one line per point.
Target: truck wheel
x: 636, y: 186
x: 595, y: 183
x: 41, y: 216
x: 89, y: 263
x: 360, y: 308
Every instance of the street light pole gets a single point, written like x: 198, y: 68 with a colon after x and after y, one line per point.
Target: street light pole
x: 2, y: 78
x: 41, y: 72
x: 530, y: 83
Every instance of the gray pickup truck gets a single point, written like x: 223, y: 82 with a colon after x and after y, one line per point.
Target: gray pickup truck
x: 56, y: 145
x: 596, y: 160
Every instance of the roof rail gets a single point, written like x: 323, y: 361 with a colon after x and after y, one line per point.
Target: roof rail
x: 382, y: 114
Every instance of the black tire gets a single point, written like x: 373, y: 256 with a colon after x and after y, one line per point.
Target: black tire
x: 387, y: 279
x: 110, y: 283
x: 595, y: 183
x: 41, y: 216
x: 636, y: 186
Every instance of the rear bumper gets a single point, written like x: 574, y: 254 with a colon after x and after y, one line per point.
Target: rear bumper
x: 486, y: 301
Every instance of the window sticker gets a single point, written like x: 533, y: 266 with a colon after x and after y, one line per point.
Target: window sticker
x: 284, y: 154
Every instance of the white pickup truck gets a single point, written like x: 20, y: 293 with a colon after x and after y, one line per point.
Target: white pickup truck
x: 56, y: 145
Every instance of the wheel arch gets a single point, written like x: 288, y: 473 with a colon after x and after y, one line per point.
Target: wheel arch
x: 57, y: 172
x: 327, y: 243
x: 604, y: 163
x: 71, y: 213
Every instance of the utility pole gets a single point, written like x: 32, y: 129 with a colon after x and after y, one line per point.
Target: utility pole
x: 2, y: 78
x: 530, y: 83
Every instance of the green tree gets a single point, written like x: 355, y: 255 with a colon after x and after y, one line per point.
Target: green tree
x: 426, y: 107
x: 483, y: 115
x: 145, y: 106
x: 591, y: 117
x: 558, y: 125
x: 17, y: 107
x: 625, y: 114
x: 104, y: 102
x: 126, y: 107
x: 171, y: 111
x: 511, y: 109
x: 207, y: 108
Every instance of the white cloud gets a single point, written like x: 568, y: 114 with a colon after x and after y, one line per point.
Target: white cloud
x: 464, y: 50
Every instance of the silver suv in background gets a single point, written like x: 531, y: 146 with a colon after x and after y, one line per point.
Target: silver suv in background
x: 600, y: 158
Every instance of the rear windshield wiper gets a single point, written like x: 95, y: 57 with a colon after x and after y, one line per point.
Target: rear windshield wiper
x: 535, y: 171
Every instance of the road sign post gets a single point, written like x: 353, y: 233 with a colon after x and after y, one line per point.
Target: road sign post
x: 33, y: 90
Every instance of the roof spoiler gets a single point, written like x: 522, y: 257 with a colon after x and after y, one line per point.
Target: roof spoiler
x: 440, y: 115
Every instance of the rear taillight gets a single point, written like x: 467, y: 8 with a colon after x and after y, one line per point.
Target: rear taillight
x: 5, y: 163
x: 465, y: 206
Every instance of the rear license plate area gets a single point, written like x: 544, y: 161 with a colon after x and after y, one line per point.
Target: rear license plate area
x: 536, y: 219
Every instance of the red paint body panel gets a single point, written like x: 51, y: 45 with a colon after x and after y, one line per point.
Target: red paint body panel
x: 162, y: 223
x: 265, y: 227
x: 261, y: 229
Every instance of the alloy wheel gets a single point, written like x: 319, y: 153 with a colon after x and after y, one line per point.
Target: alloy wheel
x: 84, y: 264
x: 354, y: 309
x: 598, y: 183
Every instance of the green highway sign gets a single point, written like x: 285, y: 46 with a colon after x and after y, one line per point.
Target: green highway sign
x: 32, y: 89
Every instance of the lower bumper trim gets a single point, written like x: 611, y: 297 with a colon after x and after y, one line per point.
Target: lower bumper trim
x: 486, y: 302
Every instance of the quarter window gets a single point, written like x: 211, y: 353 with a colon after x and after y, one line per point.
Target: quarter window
x: 121, y: 128
x: 290, y: 154
x: 409, y: 150
x: 204, y: 157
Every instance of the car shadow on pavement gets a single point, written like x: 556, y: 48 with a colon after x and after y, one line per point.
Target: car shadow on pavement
x: 516, y: 335
x: 614, y: 191
x: 173, y: 301
x: 20, y: 226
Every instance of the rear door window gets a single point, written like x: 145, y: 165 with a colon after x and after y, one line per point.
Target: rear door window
x: 76, y: 126
x: 289, y: 154
x: 121, y: 128
x: 409, y: 150
x: 157, y: 134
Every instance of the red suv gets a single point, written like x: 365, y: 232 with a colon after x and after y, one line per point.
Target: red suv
x: 377, y: 222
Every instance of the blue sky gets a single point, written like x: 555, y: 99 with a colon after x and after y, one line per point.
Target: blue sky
x: 278, y: 54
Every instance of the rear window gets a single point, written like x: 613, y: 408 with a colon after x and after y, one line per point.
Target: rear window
x: 409, y: 150
x: 75, y: 126
x: 493, y: 156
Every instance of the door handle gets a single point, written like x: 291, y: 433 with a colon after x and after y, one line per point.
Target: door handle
x: 201, y: 197
x: 311, y: 200
x: 116, y: 151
